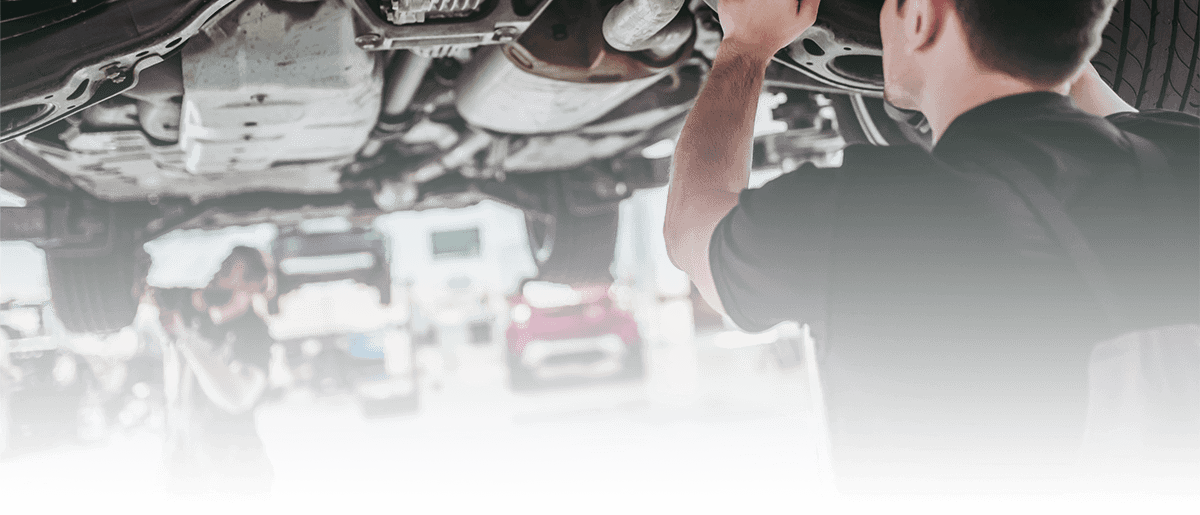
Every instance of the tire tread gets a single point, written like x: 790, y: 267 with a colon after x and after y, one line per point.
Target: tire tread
x: 1149, y: 54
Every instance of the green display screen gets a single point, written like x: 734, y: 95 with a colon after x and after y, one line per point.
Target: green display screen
x: 456, y: 244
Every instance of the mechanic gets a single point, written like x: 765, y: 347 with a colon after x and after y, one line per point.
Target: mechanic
x: 954, y: 330
x: 215, y: 373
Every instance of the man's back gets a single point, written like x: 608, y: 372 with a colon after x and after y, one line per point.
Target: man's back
x: 954, y: 322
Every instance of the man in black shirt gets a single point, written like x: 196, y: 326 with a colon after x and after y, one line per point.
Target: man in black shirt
x: 215, y: 372
x: 955, y: 330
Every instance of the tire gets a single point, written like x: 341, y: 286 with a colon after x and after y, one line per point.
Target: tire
x: 94, y: 294
x: 1149, y: 54
x: 635, y: 363
x: 520, y: 378
x: 871, y: 121
x: 571, y: 248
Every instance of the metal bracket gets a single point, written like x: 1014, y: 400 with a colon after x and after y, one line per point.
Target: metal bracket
x: 499, y: 23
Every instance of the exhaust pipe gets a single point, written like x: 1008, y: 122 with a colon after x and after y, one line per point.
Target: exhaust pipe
x: 632, y: 25
x: 407, y: 75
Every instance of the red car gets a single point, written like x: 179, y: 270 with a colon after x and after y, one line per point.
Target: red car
x: 560, y: 334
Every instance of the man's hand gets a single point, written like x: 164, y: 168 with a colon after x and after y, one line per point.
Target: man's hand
x: 1091, y: 94
x: 761, y: 27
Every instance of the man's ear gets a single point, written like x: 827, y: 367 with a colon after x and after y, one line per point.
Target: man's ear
x: 923, y: 22
x: 198, y: 300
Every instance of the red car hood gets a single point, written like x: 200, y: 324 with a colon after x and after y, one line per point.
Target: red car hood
x: 585, y: 320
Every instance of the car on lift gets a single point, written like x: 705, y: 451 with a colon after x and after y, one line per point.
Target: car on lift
x: 125, y: 119
x: 561, y: 334
x: 327, y: 250
x: 334, y: 317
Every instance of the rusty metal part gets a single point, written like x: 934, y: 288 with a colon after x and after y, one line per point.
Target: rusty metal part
x: 408, y: 72
x: 273, y: 83
x: 560, y: 76
x: 567, y: 43
x: 631, y: 25
x: 671, y: 38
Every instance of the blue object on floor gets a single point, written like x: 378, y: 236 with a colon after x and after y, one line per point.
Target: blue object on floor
x: 366, y: 346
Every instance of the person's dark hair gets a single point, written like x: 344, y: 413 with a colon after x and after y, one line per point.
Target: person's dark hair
x: 256, y: 266
x: 172, y: 299
x: 1043, y: 41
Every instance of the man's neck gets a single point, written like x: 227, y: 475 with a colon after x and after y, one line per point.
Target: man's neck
x: 959, y: 83
x: 965, y: 88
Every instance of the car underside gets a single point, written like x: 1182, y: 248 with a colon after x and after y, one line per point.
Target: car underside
x: 125, y: 119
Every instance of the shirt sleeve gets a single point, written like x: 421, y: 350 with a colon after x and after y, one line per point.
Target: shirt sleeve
x: 769, y: 255
x: 253, y: 345
x: 1178, y: 134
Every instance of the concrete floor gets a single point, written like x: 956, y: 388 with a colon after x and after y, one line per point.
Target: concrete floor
x: 710, y: 427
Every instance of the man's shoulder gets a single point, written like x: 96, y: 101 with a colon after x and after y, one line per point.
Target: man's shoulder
x: 1176, y: 119
x: 860, y: 159
x: 1175, y: 131
x: 810, y: 193
x: 868, y: 154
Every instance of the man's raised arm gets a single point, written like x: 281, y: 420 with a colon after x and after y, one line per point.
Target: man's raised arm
x: 233, y: 386
x: 712, y: 157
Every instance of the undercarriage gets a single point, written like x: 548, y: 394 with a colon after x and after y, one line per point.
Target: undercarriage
x: 123, y: 120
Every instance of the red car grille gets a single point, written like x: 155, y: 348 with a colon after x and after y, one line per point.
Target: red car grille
x: 582, y: 358
x: 567, y: 311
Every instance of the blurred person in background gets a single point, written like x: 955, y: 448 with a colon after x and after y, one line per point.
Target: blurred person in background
x: 215, y: 362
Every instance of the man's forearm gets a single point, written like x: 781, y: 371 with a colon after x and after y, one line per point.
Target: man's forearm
x: 232, y: 391
x: 712, y: 156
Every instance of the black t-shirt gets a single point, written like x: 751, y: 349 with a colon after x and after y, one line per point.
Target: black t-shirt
x: 247, y: 340
x: 227, y: 444
x: 949, y: 318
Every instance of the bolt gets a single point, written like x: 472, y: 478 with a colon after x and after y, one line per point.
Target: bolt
x: 505, y: 34
x: 114, y: 74
x: 369, y: 41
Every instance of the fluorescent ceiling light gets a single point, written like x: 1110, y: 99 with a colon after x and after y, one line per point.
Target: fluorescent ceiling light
x: 314, y: 265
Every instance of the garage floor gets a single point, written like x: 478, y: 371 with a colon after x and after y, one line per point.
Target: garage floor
x: 708, y: 427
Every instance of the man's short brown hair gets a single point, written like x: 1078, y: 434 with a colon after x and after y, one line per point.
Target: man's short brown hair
x: 253, y: 260
x: 1043, y: 41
